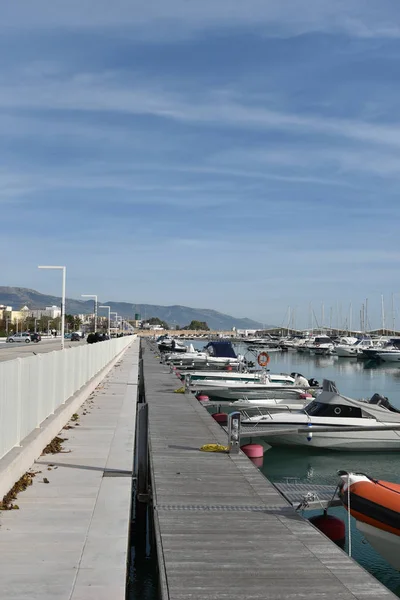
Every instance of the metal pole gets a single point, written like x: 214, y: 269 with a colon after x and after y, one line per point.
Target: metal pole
x: 109, y: 317
x: 95, y: 314
x: 142, y: 453
x: 234, y: 432
x: 64, y: 276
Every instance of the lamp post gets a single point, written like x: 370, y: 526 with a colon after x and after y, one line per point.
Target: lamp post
x: 109, y: 318
x: 95, y: 308
x: 64, y: 276
x: 116, y: 315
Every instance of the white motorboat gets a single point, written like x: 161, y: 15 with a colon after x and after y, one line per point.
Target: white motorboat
x: 222, y: 375
x: 375, y: 505
x: 322, y: 345
x: 247, y: 405
x: 347, y: 349
x: 334, y: 422
x: 266, y: 342
x: 284, y: 386
x: 390, y: 353
x: 215, y: 355
x: 169, y: 344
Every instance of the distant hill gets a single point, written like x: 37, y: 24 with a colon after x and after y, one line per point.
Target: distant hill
x: 179, y: 315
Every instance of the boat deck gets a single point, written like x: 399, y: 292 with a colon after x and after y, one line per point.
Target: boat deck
x: 223, y: 531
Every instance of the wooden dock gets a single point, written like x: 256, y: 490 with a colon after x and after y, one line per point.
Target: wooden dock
x: 223, y: 531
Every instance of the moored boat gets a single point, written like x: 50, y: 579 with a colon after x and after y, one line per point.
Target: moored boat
x: 375, y: 504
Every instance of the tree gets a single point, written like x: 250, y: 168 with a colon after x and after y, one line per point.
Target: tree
x: 197, y: 325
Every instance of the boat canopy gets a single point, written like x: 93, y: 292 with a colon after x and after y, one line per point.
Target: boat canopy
x: 221, y: 349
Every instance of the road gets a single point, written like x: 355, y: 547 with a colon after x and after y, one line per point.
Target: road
x: 21, y: 349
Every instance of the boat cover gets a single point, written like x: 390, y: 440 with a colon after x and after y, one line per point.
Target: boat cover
x: 221, y: 349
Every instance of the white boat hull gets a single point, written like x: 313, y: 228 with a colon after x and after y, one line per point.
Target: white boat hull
x: 346, y: 352
x: 357, y: 441
x: 385, y: 543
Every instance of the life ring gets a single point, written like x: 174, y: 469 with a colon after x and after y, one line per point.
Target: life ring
x: 263, y: 359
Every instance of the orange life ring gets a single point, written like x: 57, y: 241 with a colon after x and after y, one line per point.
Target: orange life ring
x: 263, y: 359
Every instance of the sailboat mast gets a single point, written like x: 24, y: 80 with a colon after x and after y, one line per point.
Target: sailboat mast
x: 383, y: 315
x: 350, y: 317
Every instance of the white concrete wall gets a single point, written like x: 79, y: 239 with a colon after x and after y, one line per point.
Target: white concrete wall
x: 33, y: 388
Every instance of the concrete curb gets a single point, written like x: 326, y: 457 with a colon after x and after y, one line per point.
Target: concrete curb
x: 21, y: 458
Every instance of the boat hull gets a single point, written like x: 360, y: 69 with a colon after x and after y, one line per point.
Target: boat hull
x: 360, y: 441
x: 389, y: 356
x: 232, y: 394
x: 387, y: 544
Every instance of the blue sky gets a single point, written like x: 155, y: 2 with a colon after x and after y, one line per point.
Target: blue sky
x: 237, y: 156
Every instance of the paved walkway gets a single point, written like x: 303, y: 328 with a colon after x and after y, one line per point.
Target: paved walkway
x: 69, y: 538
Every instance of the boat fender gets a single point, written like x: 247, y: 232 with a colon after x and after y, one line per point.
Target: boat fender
x: 309, y: 432
x: 331, y: 526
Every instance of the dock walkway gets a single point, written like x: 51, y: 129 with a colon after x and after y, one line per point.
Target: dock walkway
x: 69, y: 538
x: 223, y: 531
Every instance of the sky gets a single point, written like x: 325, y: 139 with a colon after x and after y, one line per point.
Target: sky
x: 239, y: 156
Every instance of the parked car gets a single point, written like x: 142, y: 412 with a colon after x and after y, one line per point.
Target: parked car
x: 36, y: 337
x: 75, y: 337
x: 67, y: 336
x: 19, y: 337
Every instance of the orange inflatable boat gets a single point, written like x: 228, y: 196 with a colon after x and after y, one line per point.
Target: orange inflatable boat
x: 375, y: 504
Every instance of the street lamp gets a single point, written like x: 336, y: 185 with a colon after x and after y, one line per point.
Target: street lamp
x: 95, y: 308
x: 64, y: 274
x: 116, y: 316
x: 109, y: 318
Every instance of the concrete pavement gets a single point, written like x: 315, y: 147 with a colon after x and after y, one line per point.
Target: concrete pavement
x: 21, y: 349
x: 69, y: 538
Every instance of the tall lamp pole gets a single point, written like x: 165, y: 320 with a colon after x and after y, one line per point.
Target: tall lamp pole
x: 64, y: 276
x: 116, y: 315
x: 109, y: 318
x: 95, y: 308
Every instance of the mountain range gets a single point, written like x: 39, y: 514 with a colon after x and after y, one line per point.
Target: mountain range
x: 17, y: 297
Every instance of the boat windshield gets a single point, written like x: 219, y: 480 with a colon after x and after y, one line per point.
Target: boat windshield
x: 320, y: 409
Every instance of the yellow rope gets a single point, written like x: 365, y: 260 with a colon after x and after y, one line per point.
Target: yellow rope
x: 214, y: 448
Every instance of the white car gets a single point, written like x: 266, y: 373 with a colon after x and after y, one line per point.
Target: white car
x: 19, y: 337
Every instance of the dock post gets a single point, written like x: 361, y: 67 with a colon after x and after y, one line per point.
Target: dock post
x: 234, y: 432
x: 142, y: 453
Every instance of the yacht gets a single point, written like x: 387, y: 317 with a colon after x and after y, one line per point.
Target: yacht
x: 386, y: 351
x: 352, y: 347
x: 322, y: 345
x: 335, y: 422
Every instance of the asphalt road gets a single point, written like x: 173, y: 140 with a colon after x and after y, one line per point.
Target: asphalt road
x: 21, y: 349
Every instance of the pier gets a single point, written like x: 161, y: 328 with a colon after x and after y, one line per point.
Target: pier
x: 223, y: 531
